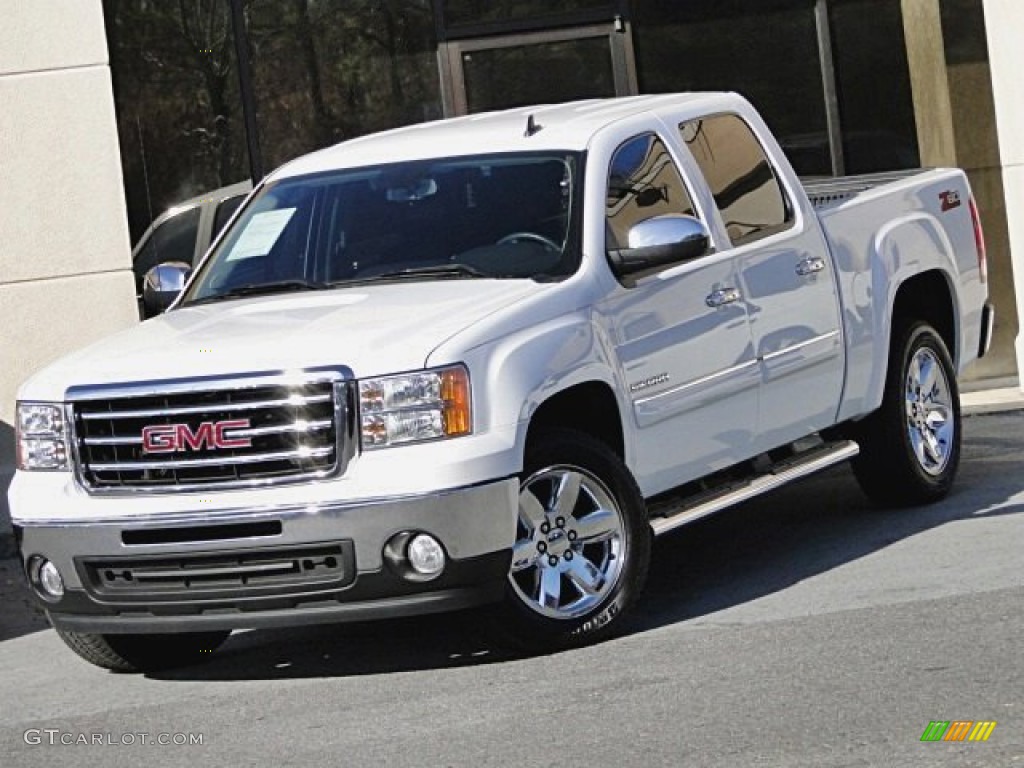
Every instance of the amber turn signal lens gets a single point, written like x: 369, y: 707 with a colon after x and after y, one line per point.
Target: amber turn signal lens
x: 456, y: 398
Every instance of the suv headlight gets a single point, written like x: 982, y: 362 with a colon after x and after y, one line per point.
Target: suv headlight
x: 412, y: 407
x: 42, y: 437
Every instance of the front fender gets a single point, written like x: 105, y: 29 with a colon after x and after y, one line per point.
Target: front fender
x: 512, y: 376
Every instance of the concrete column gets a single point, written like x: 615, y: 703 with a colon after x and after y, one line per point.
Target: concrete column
x: 1004, y: 28
x: 65, y: 272
x: 956, y: 126
x: 922, y: 27
x: 977, y: 151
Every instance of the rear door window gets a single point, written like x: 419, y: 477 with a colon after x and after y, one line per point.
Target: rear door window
x: 742, y: 180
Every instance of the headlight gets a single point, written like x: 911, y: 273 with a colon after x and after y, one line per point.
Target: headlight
x: 41, y: 436
x: 415, y: 406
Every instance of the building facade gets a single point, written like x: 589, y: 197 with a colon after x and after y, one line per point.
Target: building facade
x: 117, y: 109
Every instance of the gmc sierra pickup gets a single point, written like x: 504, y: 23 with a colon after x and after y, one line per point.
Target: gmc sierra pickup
x: 486, y: 360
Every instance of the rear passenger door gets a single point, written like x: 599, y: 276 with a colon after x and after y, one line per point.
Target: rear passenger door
x: 785, y: 276
x: 683, y: 343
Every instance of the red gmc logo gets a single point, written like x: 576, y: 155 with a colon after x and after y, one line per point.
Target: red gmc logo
x: 168, y: 438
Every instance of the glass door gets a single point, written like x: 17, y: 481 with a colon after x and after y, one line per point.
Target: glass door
x: 537, y: 68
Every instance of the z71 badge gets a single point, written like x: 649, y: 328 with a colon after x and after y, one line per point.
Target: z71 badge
x: 950, y: 200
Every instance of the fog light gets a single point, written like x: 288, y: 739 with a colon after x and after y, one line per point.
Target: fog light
x: 426, y: 556
x: 46, y: 578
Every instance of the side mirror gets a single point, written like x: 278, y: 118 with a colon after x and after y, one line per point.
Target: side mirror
x: 162, y: 284
x: 660, y: 242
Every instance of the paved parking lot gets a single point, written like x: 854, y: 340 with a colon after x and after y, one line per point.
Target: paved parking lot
x: 801, y: 629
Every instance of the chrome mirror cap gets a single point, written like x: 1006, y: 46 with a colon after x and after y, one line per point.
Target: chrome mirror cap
x: 162, y: 284
x: 670, y: 230
x: 658, y: 243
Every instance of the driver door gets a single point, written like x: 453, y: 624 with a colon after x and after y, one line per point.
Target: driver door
x: 683, y: 343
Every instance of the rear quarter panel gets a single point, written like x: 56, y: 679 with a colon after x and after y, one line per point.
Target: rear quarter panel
x: 879, y: 239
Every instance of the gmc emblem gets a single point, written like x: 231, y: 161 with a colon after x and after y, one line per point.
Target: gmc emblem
x: 168, y: 438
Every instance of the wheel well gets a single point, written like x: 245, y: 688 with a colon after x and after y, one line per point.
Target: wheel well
x: 927, y: 297
x: 589, y: 408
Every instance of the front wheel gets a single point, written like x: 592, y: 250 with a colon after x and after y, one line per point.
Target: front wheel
x: 910, y: 447
x: 582, y: 546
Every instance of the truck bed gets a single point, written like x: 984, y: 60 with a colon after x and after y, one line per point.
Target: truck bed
x: 829, y: 191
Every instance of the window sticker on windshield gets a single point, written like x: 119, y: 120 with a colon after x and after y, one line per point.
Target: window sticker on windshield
x: 260, y: 234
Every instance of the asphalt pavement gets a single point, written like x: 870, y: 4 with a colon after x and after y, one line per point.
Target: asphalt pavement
x: 801, y: 629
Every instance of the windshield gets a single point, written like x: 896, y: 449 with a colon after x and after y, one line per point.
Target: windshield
x: 491, y: 216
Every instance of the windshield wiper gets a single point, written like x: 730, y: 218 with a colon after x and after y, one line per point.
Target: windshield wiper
x: 260, y: 289
x: 434, y: 270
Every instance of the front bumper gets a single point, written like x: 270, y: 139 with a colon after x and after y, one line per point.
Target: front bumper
x: 275, y: 567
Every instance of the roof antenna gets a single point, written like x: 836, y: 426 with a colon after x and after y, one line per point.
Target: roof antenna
x: 531, y: 126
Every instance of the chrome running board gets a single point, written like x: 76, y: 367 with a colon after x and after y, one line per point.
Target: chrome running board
x: 669, y: 514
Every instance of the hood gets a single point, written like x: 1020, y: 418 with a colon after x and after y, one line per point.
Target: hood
x: 373, y: 330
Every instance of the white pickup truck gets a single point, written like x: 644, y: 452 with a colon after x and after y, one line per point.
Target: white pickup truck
x: 486, y: 360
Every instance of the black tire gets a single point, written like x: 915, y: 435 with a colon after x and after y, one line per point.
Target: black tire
x: 615, y: 545
x: 143, y: 653
x: 895, y: 467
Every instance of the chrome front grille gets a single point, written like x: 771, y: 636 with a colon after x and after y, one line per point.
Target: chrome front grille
x: 212, y: 435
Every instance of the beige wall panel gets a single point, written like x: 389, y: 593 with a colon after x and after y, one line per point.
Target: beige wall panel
x: 62, y: 198
x: 1013, y: 185
x: 1004, y: 26
x: 977, y: 151
x: 1001, y: 361
x: 37, y: 35
x: 44, y: 320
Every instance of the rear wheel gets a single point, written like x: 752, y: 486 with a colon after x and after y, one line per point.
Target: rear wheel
x: 142, y: 653
x: 582, y: 547
x: 910, y: 447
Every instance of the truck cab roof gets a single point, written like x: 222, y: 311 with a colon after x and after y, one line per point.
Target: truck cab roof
x: 570, y: 126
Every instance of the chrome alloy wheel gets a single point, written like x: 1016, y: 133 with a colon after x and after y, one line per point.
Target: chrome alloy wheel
x: 570, y: 543
x: 929, y: 405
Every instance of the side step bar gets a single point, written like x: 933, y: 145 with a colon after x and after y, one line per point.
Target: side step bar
x: 688, y: 510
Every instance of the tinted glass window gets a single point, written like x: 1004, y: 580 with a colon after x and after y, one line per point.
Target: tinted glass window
x: 500, y: 216
x: 329, y: 70
x: 174, y: 240
x: 746, y: 190
x: 765, y: 49
x: 224, y: 212
x: 465, y: 12
x: 507, y: 77
x: 179, y: 116
x: 867, y: 39
x: 643, y: 182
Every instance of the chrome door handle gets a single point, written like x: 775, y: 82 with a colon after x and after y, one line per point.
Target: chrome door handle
x: 722, y: 296
x: 810, y: 266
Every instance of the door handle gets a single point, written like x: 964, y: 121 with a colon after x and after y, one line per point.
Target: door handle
x: 722, y: 296
x: 810, y: 266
